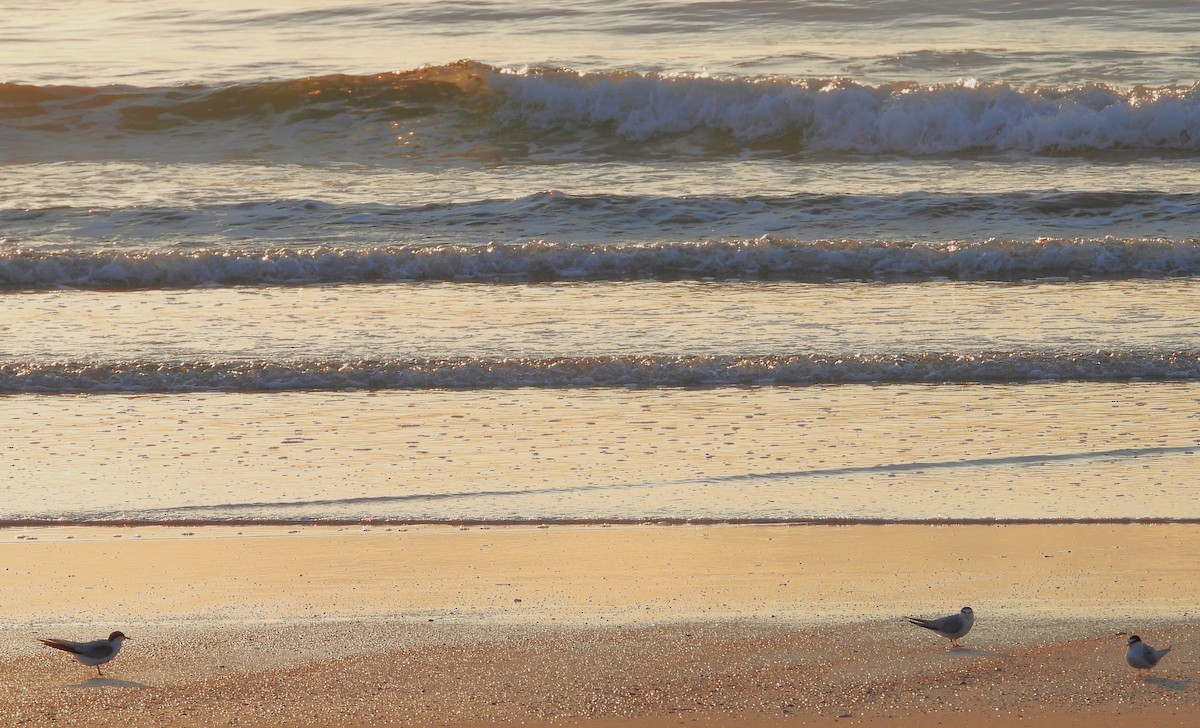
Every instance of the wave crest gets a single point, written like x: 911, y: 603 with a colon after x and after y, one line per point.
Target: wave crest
x: 469, y: 109
x: 764, y: 258
x: 588, y: 372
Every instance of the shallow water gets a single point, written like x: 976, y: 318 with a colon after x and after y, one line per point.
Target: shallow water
x: 499, y: 260
x: 854, y: 453
x: 580, y: 320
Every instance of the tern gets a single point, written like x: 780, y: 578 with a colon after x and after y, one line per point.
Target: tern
x: 94, y: 653
x: 1141, y: 655
x: 951, y: 627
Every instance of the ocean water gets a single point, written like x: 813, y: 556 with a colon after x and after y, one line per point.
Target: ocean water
x: 497, y: 262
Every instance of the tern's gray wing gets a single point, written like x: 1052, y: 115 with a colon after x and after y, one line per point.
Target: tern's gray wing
x: 1144, y: 654
x: 953, y: 623
x: 97, y: 650
x: 1150, y: 655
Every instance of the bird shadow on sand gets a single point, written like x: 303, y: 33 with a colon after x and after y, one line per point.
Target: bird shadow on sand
x: 1170, y: 683
x: 106, y: 682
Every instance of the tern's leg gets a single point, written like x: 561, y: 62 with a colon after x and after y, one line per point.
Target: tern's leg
x: 98, y: 671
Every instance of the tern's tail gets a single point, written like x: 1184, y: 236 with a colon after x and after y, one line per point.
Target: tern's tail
x: 919, y: 622
x: 1158, y: 654
x: 63, y: 645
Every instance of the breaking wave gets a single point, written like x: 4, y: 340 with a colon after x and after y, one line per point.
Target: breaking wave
x: 473, y: 110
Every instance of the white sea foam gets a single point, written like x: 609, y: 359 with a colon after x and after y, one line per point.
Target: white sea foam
x: 845, y: 116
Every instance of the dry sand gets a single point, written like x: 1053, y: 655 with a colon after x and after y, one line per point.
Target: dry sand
x: 602, y: 627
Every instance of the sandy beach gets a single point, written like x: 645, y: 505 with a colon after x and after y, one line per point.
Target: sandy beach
x: 601, y: 626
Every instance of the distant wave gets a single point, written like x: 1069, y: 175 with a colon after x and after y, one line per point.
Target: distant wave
x: 473, y: 110
x: 585, y: 372
x: 764, y: 258
x: 612, y: 217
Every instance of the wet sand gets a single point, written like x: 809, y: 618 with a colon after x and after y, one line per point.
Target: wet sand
x: 602, y: 627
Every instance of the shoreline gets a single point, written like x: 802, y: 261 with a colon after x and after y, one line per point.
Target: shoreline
x: 38, y: 523
x: 758, y: 626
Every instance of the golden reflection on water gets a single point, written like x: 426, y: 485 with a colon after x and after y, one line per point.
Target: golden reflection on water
x: 1050, y: 451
